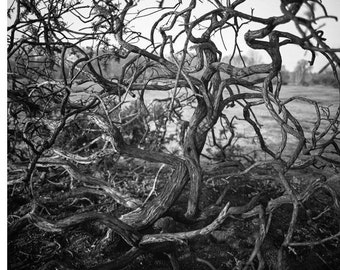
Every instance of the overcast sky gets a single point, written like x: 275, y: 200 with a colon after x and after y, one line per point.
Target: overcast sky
x: 291, y: 54
x: 262, y: 8
x: 266, y: 8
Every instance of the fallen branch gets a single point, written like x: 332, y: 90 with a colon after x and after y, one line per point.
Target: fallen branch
x: 84, y: 160
x: 314, y: 243
x: 123, y: 199
x: 164, y: 242
x: 151, y: 239
x: 128, y: 233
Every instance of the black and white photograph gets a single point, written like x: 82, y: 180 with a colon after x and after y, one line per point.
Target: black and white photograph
x: 172, y: 135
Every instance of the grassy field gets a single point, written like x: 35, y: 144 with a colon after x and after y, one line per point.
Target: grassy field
x: 271, y: 130
x: 302, y: 111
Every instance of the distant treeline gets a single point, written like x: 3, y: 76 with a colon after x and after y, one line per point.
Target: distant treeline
x: 325, y: 78
x: 111, y: 68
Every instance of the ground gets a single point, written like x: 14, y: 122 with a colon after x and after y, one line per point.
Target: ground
x: 227, y: 248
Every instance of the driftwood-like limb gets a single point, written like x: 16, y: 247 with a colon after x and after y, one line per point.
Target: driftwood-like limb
x: 144, y: 215
x: 149, y: 240
x: 288, y: 235
x: 84, y: 160
x: 258, y: 210
x: 314, y: 243
x: 296, y: 200
x: 301, y: 197
x: 129, y: 234
x: 206, y: 263
x: 165, y: 242
x: 152, y: 210
x: 75, y: 173
x: 233, y: 210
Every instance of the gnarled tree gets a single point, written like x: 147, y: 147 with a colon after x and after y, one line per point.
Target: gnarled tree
x: 87, y: 89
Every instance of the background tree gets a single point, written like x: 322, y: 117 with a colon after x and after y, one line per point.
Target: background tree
x: 86, y: 105
x: 286, y: 75
x: 301, y: 72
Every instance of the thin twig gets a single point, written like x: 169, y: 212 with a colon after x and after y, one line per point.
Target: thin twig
x: 314, y: 243
x: 154, y: 185
x: 206, y: 263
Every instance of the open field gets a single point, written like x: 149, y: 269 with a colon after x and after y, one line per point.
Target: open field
x: 271, y: 130
x: 304, y: 112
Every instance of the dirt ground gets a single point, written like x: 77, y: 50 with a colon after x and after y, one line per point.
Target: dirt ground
x: 227, y: 248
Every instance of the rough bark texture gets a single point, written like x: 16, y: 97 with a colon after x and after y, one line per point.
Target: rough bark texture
x: 72, y: 115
